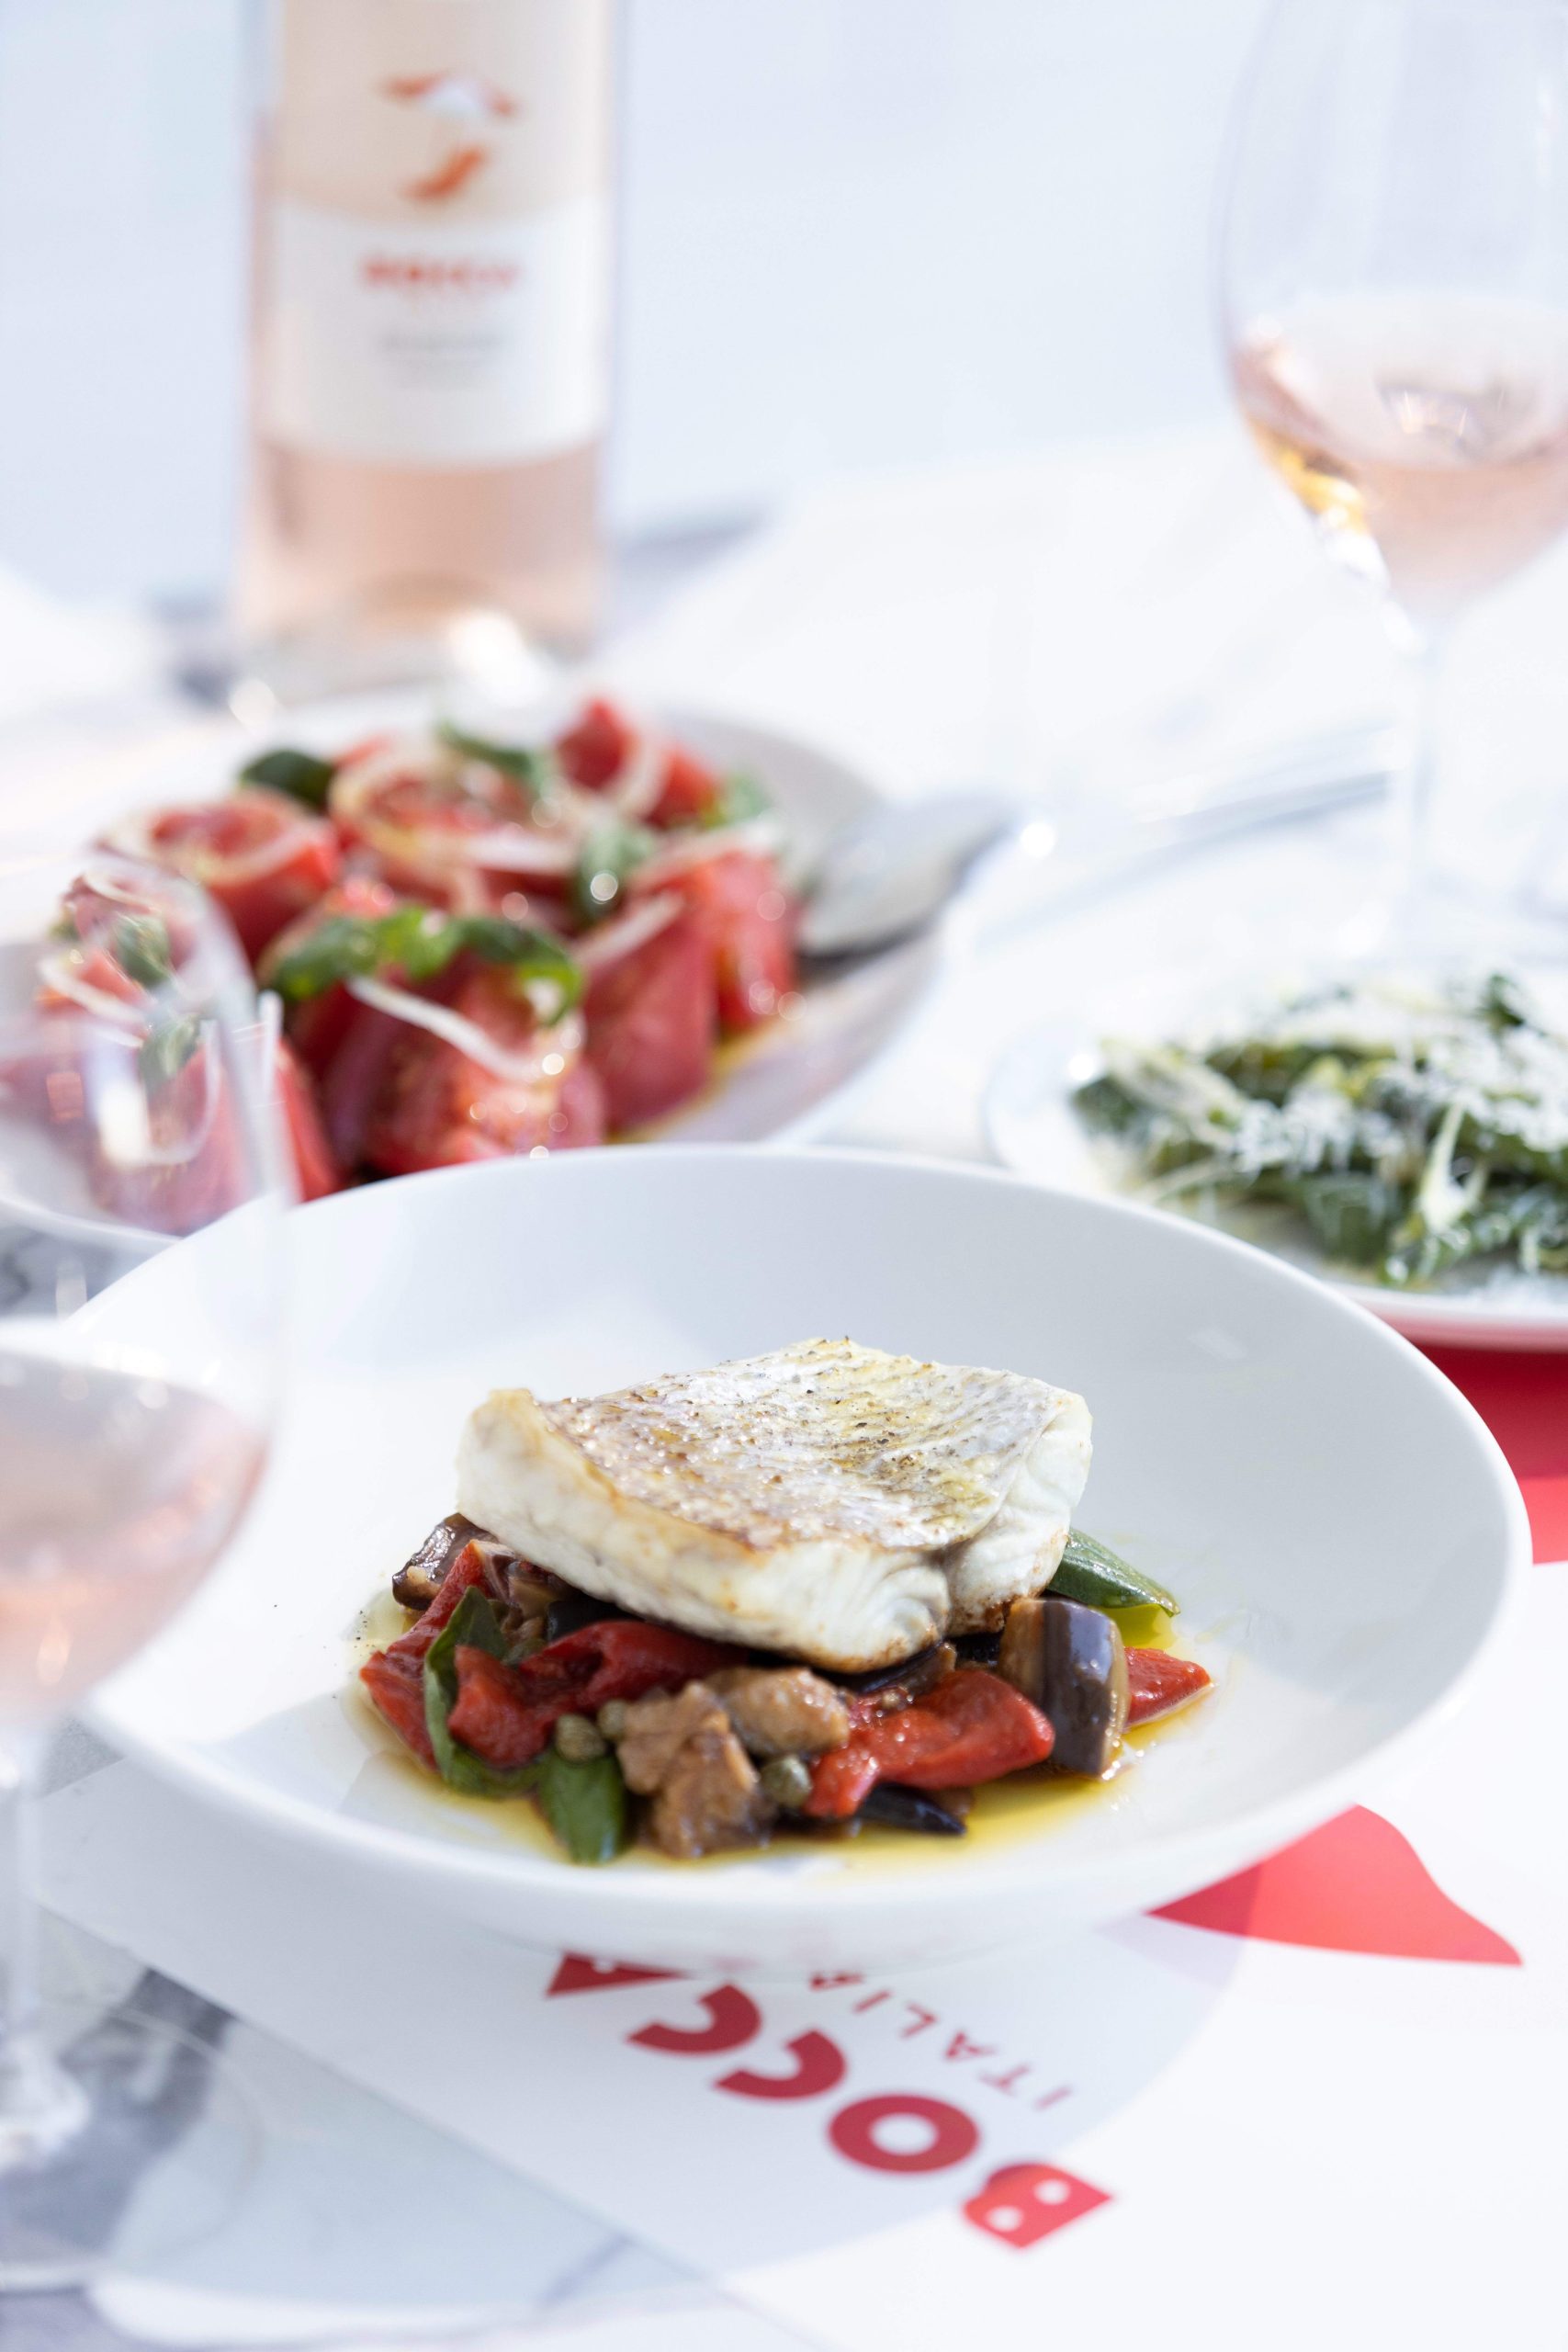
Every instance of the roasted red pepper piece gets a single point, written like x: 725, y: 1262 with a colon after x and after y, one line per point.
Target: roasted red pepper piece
x: 505, y: 1714
x: 1157, y: 1682
x: 971, y: 1727
x: 395, y: 1676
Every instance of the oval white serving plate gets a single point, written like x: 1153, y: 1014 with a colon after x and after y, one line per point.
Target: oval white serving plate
x: 1031, y: 1126
x: 1340, y: 1525
x: 785, y: 1084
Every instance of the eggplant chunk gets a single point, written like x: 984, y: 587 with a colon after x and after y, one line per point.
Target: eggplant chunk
x: 1069, y: 1659
x: 419, y: 1580
x: 901, y: 1808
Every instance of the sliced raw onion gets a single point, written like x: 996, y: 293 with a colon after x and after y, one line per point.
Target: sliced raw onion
x: 758, y: 837
x: 627, y: 933
x: 441, y: 852
x: 62, y: 974
x: 137, y: 836
x: 454, y: 1029
x: 640, y: 783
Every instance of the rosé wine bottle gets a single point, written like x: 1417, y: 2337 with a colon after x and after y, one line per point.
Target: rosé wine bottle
x: 430, y: 371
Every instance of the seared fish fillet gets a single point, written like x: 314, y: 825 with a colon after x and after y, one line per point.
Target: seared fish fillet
x: 830, y: 1502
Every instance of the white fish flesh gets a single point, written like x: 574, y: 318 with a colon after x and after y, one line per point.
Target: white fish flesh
x: 829, y: 1501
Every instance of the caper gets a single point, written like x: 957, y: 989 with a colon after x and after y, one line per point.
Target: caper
x: 612, y: 1719
x: 787, y: 1780
x: 578, y: 1738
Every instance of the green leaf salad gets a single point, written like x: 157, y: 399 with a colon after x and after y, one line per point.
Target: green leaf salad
x: 1411, y: 1128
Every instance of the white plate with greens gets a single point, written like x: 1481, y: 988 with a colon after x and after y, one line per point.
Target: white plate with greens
x: 1407, y: 1143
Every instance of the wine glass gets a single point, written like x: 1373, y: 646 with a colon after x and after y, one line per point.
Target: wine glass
x: 134, y: 1116
x: 1395, y: 305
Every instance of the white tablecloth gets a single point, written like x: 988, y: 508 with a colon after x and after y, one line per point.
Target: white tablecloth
x: 1075, y: 623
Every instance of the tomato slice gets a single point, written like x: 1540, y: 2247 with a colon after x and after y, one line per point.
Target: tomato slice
x: 652, y: 1022
x: 261, y: 855
x: 750, y: 919
x: 436, y: 1107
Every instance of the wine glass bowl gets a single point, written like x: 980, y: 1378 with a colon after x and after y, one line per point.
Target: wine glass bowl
x: 135, y: 1113
x: 1394, y: 302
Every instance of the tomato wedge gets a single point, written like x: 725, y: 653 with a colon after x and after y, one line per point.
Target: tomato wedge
x: 751, y: 921
x: 594, y: 752
x: 653, y: 1020
x: 316, y: 1170
x: 688, y: 789
x: 435, y: 1106
x: 319, y: 1024
x: 261, y: 855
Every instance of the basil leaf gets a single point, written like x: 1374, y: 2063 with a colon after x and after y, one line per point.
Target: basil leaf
x: 1094, y: 1573
x: 165, y: 1051
x: 473, y: 1624
x: 344, y: 948
x: 530, y: 955
x: 420, y: 942
x: 585, y: 1804
x: 740, y: 798
x: 301, y: 774
x: 610, y: 857
x: 524, y: 766
x: 141, y: 948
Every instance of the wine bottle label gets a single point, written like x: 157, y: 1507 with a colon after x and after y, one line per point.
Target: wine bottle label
x: 434, y: 257
x: 450, y: 342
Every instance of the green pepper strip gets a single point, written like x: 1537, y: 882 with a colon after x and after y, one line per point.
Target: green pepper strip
x: 1093, y: 1572
x: 585, y: 1803
x: 473, y: 1624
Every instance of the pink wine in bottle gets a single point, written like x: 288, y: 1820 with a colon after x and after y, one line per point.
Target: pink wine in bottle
x: 429, y: 372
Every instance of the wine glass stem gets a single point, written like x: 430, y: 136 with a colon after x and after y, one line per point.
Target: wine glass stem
x: 41, y: 2107
x: 1417, y: 788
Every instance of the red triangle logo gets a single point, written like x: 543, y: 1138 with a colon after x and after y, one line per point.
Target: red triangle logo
x: 577, y: 1975
x: 1354, y: 1885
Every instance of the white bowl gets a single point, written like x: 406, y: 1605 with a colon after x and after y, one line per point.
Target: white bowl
x: 1340, y: 1525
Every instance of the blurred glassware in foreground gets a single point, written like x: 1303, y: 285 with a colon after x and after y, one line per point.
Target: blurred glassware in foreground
x: 430, y: 376
x: 134, y: 1107
x: 1395, y: 302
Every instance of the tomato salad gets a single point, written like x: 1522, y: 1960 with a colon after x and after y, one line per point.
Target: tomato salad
x: 482, y: 948
x: 510, y: 1682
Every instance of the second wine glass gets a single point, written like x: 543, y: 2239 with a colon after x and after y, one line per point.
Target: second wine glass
x: 134, y: 1114
x: 1395, y: 304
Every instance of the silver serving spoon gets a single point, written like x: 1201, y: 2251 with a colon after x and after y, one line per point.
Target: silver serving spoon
x: 889, y: 874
